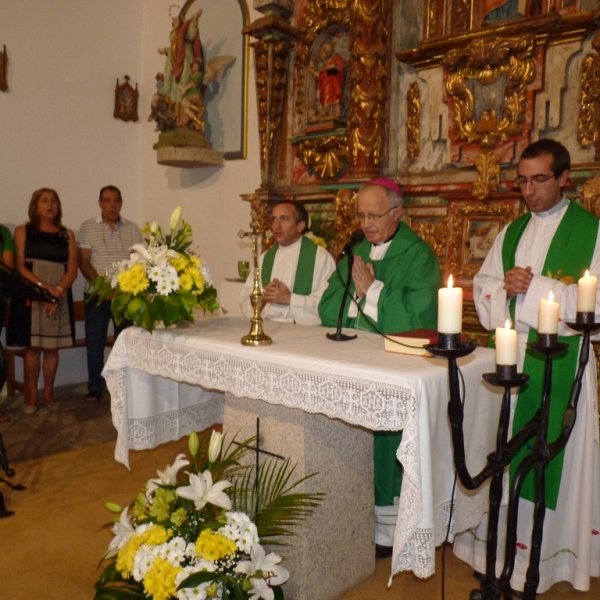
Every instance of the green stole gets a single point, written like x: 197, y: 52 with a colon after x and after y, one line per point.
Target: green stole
x: 304, y: 271
x: 577, y: 231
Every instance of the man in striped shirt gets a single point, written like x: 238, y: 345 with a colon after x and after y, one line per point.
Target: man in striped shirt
x: 101, y: 241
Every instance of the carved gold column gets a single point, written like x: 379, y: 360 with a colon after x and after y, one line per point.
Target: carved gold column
x: 588, y: 126
x: 271, y: 57
x: 413, y: 129
x: 369, y: 88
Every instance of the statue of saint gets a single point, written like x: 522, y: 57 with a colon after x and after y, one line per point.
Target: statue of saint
x: 192, y: 104
x: 178, y: 106
x: 185, y: 48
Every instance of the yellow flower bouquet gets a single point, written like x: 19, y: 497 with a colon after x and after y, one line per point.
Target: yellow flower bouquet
x: 197, y: 530
x: 161, y: 282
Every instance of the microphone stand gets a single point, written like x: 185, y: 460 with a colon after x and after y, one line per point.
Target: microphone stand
x: 338, y: 336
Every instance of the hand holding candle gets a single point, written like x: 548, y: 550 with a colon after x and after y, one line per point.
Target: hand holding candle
x: 450, y: 309
x: 548, y: 315
x: 586, y: 293
x: 506, y: 345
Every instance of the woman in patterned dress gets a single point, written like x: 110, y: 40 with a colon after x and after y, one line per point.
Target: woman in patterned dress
x: 47, y: 256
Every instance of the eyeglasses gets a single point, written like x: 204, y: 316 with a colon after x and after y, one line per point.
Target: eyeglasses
x: 370, y: 217
x: 535, y: 181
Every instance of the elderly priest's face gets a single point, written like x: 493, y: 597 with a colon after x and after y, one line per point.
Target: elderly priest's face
x: 286, y: 230
x: 378, y: 220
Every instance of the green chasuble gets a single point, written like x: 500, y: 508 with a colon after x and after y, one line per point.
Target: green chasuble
x: 408, y: 300
x: 570, y: 254
x: 304, y: 271
x: 411, y: 275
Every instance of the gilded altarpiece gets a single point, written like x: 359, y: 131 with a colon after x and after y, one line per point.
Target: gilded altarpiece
x: 341, y: 90
x: 483, y: 80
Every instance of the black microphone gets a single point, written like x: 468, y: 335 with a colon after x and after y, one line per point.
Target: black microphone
x: 356, y: 237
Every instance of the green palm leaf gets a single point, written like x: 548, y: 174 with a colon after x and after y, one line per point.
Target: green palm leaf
x: 268, y: 497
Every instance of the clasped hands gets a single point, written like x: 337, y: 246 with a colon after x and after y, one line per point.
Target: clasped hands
x: 517, y: 280
x: 363, y: 276
x: 50, y: 307
x: 277, y: 293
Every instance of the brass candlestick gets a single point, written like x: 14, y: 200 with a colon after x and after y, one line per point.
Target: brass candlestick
x: 256, y: 336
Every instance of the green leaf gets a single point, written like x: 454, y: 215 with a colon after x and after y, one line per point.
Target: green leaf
x: 112, y: 586
x: 120, y: 593
x: 196, y: 579
x: 269, y: 499
x: 173, y: 309
x: 138, y: 311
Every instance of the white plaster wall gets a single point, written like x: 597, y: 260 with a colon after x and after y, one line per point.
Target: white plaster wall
x: 57, y: 129
x: 56, y: 123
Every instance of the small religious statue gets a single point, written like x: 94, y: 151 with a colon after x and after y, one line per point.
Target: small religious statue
x: 126, y: 101
x: 329, y: 72
x: 178, y: 106
x: 3, y: 64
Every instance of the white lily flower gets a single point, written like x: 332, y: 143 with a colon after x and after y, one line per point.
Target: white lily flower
x: 260, y: 589
x: 214, y: 446
x: 157, y: 255
x: 268, y: 565
x: 122, y: 530
x: 168, y: 476
x: 202, y: 491
x: 140, y: 252
x: 175, y: 217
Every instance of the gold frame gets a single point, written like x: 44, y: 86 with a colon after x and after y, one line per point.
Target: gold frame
x: 486, y: 61
x: 463, y: 214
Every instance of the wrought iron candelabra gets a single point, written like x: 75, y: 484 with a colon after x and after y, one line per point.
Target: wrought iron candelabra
x: 256, y: 335
x: 451, y: 347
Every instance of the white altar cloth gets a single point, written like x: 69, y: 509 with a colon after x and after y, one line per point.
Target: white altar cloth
x: 356, y: 382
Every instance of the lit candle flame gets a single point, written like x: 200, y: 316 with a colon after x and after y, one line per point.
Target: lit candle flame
x: 507, y: 324
x: 449, y: 281
x: 587, y: 273
x: 550, y: 297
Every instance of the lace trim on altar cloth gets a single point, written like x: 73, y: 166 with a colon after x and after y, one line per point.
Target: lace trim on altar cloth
x: 417, y: 553
x: 166, y: 427
x: 376, y: 406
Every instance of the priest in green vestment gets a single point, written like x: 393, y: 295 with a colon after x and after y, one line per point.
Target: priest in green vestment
x: 546, y: 250
x: 395, y: 278
x: 293, y: 273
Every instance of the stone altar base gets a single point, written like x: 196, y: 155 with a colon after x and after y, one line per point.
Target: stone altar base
x: 334, y: 550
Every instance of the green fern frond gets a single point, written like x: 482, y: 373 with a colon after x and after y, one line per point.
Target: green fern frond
x: 269, y: 500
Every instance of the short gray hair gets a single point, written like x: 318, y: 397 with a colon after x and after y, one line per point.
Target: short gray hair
x: 396, y: 200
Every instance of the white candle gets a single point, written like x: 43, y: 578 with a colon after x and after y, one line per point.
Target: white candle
x: 450, y: 309
x: 586, y: 293
x: 506, y: 345
x: 548, y: 317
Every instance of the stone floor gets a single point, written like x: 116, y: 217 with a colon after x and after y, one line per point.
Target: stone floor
x: 79, y: 424
x: 75, y: 425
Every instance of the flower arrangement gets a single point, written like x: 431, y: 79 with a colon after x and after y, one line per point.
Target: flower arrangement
x: 199, y: 534
x: 161, y: 282
x: 319, y: 227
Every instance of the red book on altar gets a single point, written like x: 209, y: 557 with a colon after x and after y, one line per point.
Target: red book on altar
x: 411, y: 342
